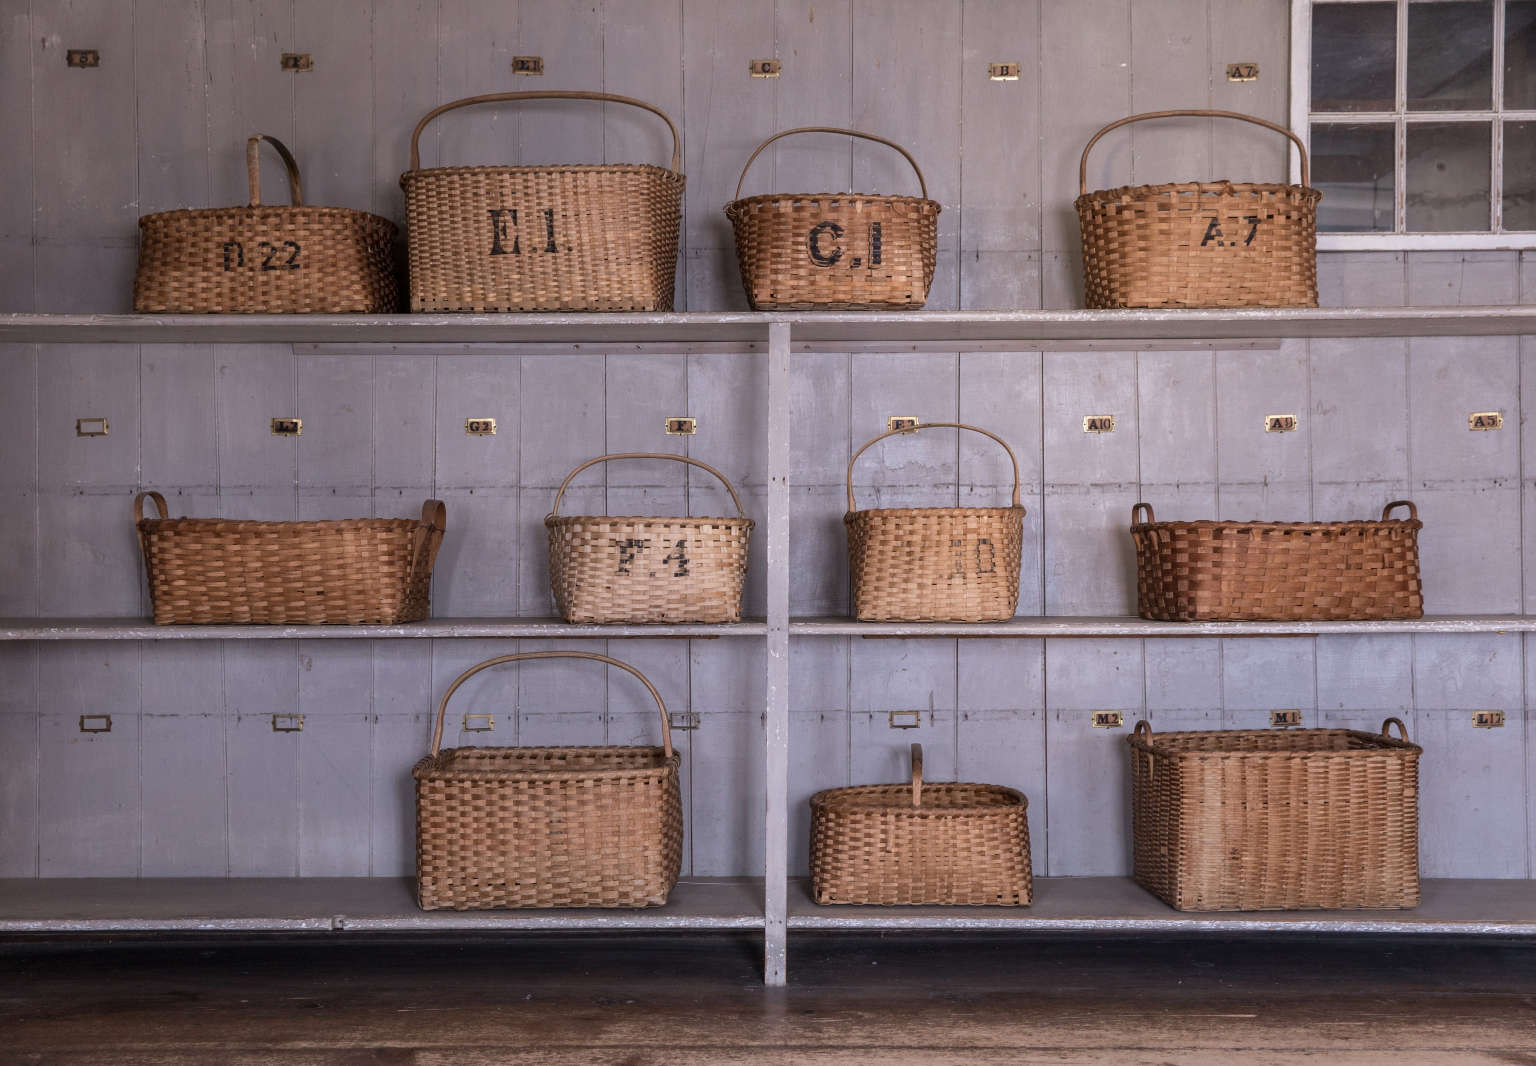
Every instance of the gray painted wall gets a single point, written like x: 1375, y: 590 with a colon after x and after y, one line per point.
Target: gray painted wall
x: 192, y: 779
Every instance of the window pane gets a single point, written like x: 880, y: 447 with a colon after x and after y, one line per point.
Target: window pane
x: 1354, y: 57
x: 1450, y: 55
x: 1448, y: 176
x: 1520, y: 55
x: 1352, y: 165
x: 1520, y: 175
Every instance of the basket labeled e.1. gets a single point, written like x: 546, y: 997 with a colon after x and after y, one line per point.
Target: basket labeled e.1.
x: 935, y: 564
x: 636, y: 569
x: 1278, y: 571
x: 266, y: 258
x: 835, y: 251
x: 547, y: 827
x: 948, y: 844
x: 1276, y: 819
x: 1199, y: 243
x: 568, y: 237
x: 222, y: 571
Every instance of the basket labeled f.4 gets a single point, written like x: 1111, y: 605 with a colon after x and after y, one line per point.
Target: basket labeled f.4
x: 1278, y: 571
x: 946, y: 844
x: 1276, y: 819
x: 547, y: 827
x: 637, y: 569
x: 935, y: 564
x: 835, y: 251
x: 543, y: 238
x: 1199, y: 244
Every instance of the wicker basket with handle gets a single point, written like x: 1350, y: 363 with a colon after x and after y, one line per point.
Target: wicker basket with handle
x: 266, y: 258
x: 935, y: 564
x: 1276, y: 819
x: 957, y: 844
x: 543, y: 238
x: 637, y: 569
x: 547, y: 827
x: 1199, y: 244
x: 835, y: 251
x: 361, y: 571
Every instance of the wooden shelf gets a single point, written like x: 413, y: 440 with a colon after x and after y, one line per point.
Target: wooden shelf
x: 432, y: 629
x: 1120, y: 626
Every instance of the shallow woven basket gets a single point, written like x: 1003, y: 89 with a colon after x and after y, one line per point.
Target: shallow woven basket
x: 835, y: 251
x: 1278, y: 571
x: 1199, y: 244
x: 955, y: 844
x: 266, y: 258
x: 547, y: 827
x: 1276, y: 819
x: 635, y: 569
x: 360, y: 571
x: 543, y: 238
x: 935, y: 564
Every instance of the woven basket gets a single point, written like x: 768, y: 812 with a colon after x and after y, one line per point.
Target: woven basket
x: 545, y: 238
x: 1276, y: 819
x: 948, y: 844
x: 630, y: 569
x: 264, y: 258
x: 1199, y: 244
x: 935, y: 564
x: 1278, y: 571
x: 222, y: 571
x: 547, y: 827
x: 835, y: 251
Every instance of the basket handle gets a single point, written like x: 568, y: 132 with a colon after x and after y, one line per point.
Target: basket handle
x: 555, y: 510
x: 1413, y: 512
x: 1402, y: 730
x: 1143, y: 729
x: 434, y: 513
x: 1137, y: 509
x: 1082, y: 166
x: 253, y: 169
x: 917, y: 775
x: 554, y: 94
x: 936, y: 425
x: 921, y: 184
x: 437, y: 730
x: 138, y: 505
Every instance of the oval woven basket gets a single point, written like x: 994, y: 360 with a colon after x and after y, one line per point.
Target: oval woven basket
x: 935, y: 564
x: 1199, y: 244
x: 266, y: 258
x: 543, y: 238
x: 638, y: 569
x: 547, y: 827
x: 948, y: 844
x: 835, y: 251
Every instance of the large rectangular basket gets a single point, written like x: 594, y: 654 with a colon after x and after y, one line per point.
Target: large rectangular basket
x: 547, y: 827
x: 1278, y: 571
x: 639, y: 569
x: 947, y: 844
x: 543, y: 238
x: 1276, y: 819
x: 362, y: 571
x: 1199, y: 244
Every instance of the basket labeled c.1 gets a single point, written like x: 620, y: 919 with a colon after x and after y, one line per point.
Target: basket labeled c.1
x: 636, y: 569
x: 835, y: 251
x: 935, y: 564
x: 1278, y: 571
x: 1199, y: 243
x: 947, y: 844
x: 222, y: 571
x: 1276, y: 819
x: 543, y: 238
x: 547, y: 827
x: 266, y: 258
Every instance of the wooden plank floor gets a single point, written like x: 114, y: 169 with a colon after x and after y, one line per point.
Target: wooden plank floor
x: 974, y: 1000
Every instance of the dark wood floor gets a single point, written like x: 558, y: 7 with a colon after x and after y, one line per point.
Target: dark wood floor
x: 678, y: 1002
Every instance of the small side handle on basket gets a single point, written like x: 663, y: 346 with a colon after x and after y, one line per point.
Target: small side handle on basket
x: 1402, y: 730
x: 442, y: 708
x: 1150, y: 519
x: 935, y: 425
x: 554, y: 511
x: 1413, y: 512
x: 921, y: 184
x: 1082, y: 166
x: 253, y: 169
x: 138, y: 505
x: 917, y: 775
x: 434, y: 515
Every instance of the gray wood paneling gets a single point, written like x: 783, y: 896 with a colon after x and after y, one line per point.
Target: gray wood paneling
x: 170, y: 79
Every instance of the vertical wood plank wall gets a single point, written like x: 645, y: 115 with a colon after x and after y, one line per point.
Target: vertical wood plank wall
x: 192, y: 780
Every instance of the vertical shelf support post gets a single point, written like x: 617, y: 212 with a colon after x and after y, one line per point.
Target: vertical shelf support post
x: 776, y: 722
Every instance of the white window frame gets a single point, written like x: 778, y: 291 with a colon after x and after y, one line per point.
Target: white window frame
x: 1302, y: 119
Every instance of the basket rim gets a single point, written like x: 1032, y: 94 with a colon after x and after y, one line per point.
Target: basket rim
x: 430, y: 768
x: 1292, y: 527
x: 1150, y: 192
x: 296, y: 526
x: 1379, y: 743
x: 553, y: 520
x: 826, y: 799
x: 258, y: 210
x: 899, y: 512
x: 763, y: 199
x: 547, y: 168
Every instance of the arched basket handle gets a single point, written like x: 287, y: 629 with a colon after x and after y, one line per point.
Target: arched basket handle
x: 1137, y: 509
x: 917, y: 775
x: 253, y: 169
x: 159, y: 502
x: 1082, y: 166
x: 921, y: 184
x: 1402, y: 730
x: 554, y: 512
x: 1413, y: 512
x: 935, y: 425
